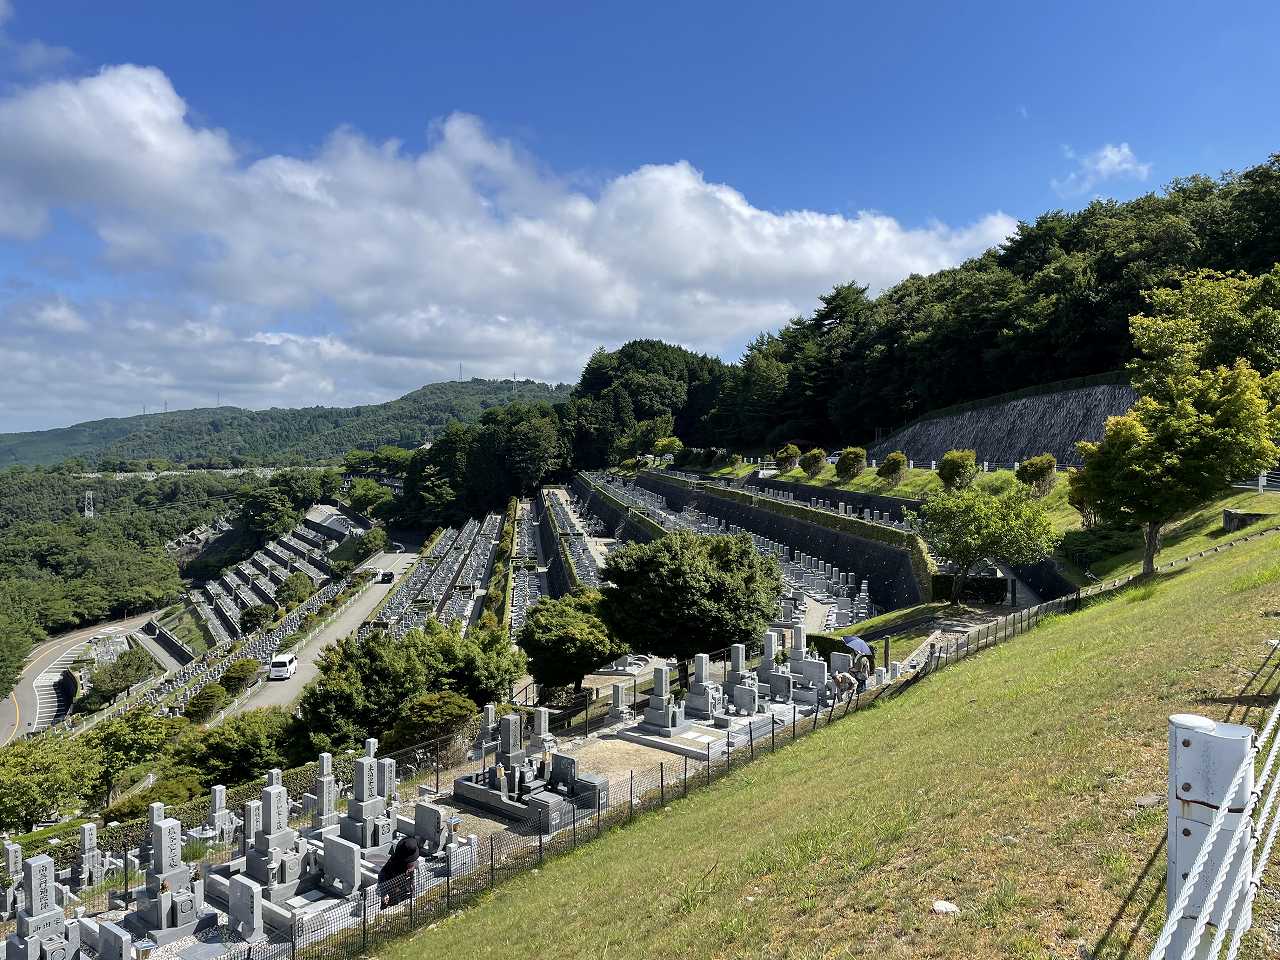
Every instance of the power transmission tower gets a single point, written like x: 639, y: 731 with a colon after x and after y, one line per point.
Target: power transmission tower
x: 88, y: 505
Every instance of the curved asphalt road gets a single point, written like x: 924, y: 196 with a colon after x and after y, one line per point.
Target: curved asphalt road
x: 18, y: 710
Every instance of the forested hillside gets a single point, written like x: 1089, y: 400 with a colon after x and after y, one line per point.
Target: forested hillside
x: 1052, y: 303
x: 230, y: 436
x: 59, y: 570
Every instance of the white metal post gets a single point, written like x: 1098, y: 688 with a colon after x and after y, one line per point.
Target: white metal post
x: 1204, y: 758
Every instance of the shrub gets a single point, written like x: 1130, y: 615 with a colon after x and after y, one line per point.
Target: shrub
x: 427, y: 717
x: 894, y: 468
x: 957, y: 468
x: 296, y: 588
x: 851, y: 463
x: 813, y: 462
x: 239, y: 675
x: 1086, y: 547
x: 212, y: 698
x: 1039, y: 473
x: 257, y: 616
x: 787, y: 457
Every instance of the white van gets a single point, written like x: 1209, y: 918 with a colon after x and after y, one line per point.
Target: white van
x: 283, y: 666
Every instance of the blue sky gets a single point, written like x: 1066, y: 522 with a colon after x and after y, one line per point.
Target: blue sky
x: 224, y: 177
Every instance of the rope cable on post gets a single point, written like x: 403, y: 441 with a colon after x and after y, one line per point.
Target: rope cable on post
x: 1159, y: 950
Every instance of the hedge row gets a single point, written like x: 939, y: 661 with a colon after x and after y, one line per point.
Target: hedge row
x: 498, y: 589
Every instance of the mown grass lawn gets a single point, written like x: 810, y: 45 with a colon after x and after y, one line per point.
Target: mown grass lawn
x: 1006, y: 784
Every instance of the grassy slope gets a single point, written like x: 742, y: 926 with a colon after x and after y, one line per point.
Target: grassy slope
x: 1005, y: 784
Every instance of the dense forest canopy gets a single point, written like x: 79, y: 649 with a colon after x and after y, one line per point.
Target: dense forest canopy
x: 230, y: 436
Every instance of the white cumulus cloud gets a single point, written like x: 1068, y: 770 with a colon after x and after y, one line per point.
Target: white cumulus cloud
x: 364, y: 269
x: 1109, y: 162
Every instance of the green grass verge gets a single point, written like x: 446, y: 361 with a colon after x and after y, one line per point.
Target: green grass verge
x: 1199, y: 530
x: 895, y: 617
x: 1006, y: 784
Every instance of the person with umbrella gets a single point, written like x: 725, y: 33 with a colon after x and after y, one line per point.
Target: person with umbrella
x: 863, y: 657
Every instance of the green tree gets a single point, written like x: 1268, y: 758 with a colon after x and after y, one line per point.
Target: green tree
x: 668, y: 445
x: 239, y: 675
x: 125, y: 740
x: 362, y: 683
x: 427, y: 717
x: 257, y: 616
x: 367, y: 544
x: 687, y: 593
x: 1040, y: 473
x: 268, y: 512
x: 1193, y: 430
x: 851, y: 463
x: 957, y: 469
x: 565, y: 640
x: 813, y: 461
x: 893, y: 469
x: 238, y: 749
x: 368, y: 496
x: 211, y: 698
x: 44, y: 778
x: 297, y: 587
x: 966, y: 526
x: 111, y: 679
x: 787, y: 458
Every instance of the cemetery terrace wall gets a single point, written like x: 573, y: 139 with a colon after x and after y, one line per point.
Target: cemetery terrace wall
x: 896, y: 563
x: 560, y: 576
x: 634, y: 527
x: 1018, y: 428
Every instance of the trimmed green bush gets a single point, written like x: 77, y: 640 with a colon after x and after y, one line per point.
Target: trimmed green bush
x: 894, y: 468
x: 1039, y: 473
x: 239, y: 675
x: 957, y: 469
x: 852, y: 461
x: 787, y: 457
x: 813, y: 461
x: 212, y: 698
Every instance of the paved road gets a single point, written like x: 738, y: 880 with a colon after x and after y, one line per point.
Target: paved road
x: 282, y: 693
x: 18, y: 711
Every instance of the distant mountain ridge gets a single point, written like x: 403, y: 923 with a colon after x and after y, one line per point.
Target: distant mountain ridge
x: 279, y: 434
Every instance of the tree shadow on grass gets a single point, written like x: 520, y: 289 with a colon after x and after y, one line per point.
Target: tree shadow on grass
x: 1132, y: 924
x: 1257, y: 692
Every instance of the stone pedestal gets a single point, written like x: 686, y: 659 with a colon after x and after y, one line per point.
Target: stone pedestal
x: 43, y: 932
x: 366, y: 824
x: 272, y: 861
x: 170, y: 905
x: 663, y: 716
x: 705, y: 699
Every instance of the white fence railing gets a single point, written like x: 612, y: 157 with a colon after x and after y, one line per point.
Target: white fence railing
x: 1219, y: 842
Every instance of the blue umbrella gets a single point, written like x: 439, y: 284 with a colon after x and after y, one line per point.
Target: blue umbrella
x: 858, y: 645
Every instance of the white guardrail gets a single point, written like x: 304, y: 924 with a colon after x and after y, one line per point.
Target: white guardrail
x: 1219, y: 843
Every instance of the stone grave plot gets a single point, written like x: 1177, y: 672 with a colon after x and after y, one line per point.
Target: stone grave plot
x: 745, y: 704
x: 528, y: 780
